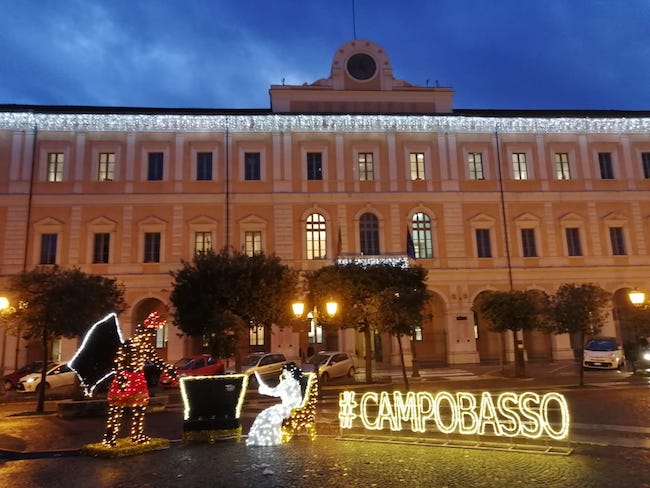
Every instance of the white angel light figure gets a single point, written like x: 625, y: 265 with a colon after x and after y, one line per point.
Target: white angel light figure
x: 267, y: 428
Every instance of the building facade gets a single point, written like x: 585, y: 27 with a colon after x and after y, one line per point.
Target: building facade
x: 356, y: 165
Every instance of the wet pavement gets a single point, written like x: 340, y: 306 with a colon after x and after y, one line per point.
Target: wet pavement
x: 610, y: 442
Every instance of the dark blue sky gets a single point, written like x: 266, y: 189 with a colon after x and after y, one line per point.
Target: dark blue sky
x: 496, y: 54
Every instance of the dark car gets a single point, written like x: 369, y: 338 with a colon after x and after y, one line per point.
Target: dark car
x: 11, y: 380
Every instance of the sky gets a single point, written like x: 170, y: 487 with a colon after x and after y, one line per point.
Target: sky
x: 495, y: 54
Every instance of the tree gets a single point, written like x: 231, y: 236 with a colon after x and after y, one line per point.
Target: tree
x: 514, y: 310
x: 217, y: 296
x: 62, y: 302
x: 368, y: 301
x: 579, y: 309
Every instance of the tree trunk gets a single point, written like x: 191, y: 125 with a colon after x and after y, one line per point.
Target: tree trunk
x: 401, y: 355
x: 367, y: 336
x: 581, y: 356
x: 40, y: 392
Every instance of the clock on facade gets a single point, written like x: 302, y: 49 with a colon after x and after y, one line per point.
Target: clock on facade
x: 361, y: 66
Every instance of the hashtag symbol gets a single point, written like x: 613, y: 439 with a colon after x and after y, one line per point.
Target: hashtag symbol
x: 347, y: 405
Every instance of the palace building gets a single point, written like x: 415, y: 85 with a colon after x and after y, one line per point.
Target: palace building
x: 348, y: 167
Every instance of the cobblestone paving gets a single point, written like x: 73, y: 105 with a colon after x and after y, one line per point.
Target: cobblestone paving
x: 329, y: 462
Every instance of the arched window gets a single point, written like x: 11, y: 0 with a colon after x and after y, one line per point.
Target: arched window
x: 316, y: 237
x: 369, y: 234
x: 422, y: 237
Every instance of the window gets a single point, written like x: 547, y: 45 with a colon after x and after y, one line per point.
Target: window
x: 152, y: 247
x: 417, y: 165
x: 618, y: 243
x: 422, y: 238
x: 202, y: 242
x: 106, y: 167
x: 316, y: 237
x: 417, y: 333
x: 101, y: 247
x: 155, y: 166
x: 475, y: 166
x: 574, y: 248
x: 252, y: 242
x: 48, y: 248
x: 519, y: 169
x: 366, y: 168
x: 54, y: 166
x: 314, y: 166
x: 605, y: 164
x: 204, y: 166
x: 645, y: 161
x: 369, y: 234
x: 257, y: 335
x: 528, y: 248
x: 483, y: 247
x: 252, y: 166
x: 562, y: 171
x: 161, y: 336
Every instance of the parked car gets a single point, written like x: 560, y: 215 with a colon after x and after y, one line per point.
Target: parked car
x: 331, y: 364
x: 11, y: 380
x: 202, y: 365
x: 267, y: 365
x: 603, y: 353
x: 59, y: 374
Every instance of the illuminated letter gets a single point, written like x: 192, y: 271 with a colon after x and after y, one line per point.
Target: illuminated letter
x: 368, y: 396
x: 468, y: 419
x: 511, y: 427
x: 346, y: 409
x: 563, y: 431
x: 453, y: 412
x: 386, y: 413
x: 488, y: 414
x: 425, y: 413
x: 407, y: 410
x: 531, y: 425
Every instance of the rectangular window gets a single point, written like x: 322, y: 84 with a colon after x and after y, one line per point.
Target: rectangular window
x: 605, y: 164
x: 48, y: 248
x: 645, y: 161
x: 106, y: 168
x: 253, y: 242
x: 528, y: 247
x: 155, y: 166
x: 562, y: 171
x: 618, y: 243
x: 257, y: 335
x: 314, y: 166
x: 101, y: 247
x: 417, y: 165
x: 252, y: 166
x: 483, y: 246
x: 475, y: 166
x: 519, y: 168
x: 202, y: 242
x: 574, y: 248
x: 204, y: 166
x: 152, y: 247
x: 54, y: 166
x: 366, y: 168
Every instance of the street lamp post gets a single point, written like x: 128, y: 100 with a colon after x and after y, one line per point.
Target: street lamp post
x: 5, y: 310
x: 313, y: 317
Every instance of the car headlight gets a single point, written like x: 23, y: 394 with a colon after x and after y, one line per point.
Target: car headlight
x: 30, y: 380
x: 646, y: 356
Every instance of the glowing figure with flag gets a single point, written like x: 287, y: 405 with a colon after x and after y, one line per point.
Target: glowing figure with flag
x: 129, y: 386
x: 267, y: 427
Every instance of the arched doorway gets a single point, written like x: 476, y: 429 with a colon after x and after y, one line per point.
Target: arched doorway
x: 140, y: 312
x: 489, y: 344
x: 631, y: 323
x: 537, y: 343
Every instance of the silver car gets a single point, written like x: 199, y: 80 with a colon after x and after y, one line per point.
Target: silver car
x: 331, y: 364
x: 603, y: 353
x: 267, y: 365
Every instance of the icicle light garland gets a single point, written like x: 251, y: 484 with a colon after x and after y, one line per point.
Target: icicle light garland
x: 321, y: 123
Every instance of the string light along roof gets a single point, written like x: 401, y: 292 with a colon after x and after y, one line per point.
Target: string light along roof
x: 159, y: 120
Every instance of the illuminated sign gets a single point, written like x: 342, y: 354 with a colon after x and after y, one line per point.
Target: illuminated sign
x: 508, y: 414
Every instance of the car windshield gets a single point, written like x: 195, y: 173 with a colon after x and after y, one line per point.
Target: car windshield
x: 184, y: 363
x: 252, y: 360
x: 323, y: 358
x: 601, y: 345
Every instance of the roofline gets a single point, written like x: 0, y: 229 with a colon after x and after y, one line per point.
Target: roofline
x: 513, y: 113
